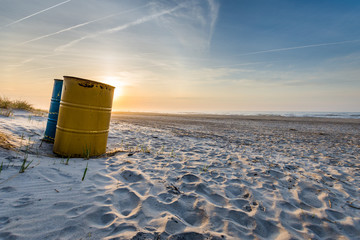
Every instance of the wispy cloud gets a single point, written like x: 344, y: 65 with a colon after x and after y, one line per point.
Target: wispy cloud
x: 81, y: 25
x: 119, y: 28
x: 214, y: 9
x: 34, y: 14
x: 193, y: 27
x: 300, y: 47
x: 26, y: 61
x: 67, y: 29
x: 141, y: 20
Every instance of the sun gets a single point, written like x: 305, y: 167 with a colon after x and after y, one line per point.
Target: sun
x: 115, y: 82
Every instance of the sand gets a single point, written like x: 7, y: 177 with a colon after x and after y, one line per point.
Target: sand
x: 185, y: 177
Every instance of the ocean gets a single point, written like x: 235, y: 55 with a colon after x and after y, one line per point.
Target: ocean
x: 352, y: 115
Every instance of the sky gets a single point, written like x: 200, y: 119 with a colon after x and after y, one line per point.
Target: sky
x: 189, y: 55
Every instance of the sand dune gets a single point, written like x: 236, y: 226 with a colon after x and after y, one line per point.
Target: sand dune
x: 186, y: 177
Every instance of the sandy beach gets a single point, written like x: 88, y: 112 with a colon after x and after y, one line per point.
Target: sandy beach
x: 173, y: 176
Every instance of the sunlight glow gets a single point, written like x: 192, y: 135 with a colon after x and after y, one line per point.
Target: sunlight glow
x: 115, y: 82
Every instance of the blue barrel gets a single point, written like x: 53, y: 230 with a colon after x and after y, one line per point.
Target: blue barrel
x: 50, y: 131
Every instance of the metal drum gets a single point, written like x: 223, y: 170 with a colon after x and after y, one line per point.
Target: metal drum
x: 84, y: 118
x: 50, y: 131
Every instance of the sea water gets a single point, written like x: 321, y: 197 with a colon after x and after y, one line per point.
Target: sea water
x: 353, y: 115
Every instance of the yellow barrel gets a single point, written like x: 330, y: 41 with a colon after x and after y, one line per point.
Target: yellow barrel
x: 84, y: 118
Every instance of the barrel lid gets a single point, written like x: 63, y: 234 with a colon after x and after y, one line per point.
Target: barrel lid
x: 92, y: 81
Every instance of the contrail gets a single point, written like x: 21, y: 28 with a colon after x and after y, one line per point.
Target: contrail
x: 34, y: 14
x: 214, y: 11
x: 299, y: 47
x: 67, y: 29
x: 119, y: 28
x: 139, y: 21
x: 81, y: 25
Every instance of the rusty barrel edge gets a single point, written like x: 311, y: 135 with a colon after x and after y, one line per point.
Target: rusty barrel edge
x: 84, y: 118
x: 50, y: 131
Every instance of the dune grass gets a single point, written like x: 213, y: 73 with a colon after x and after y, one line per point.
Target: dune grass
x: 85, y: 172
x: 8, y: 106
x: 16, y: 104
x: 6, y: 112
x: 4, y: 142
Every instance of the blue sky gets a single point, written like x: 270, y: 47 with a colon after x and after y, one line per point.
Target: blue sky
x: 203, y: 55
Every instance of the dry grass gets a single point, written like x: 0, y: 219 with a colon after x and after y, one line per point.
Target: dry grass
x: 4, y: 142
x: 16, y: 104
x: 6, y: 112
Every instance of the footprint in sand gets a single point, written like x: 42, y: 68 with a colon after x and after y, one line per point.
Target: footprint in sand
x: 77, y: 211
x: 240, y: 232
x: 309, y: 196
x: 120, y: 228
x: 174, y: 225
x: 131, y: 176
x: 242, y: 219
x: 334, y: 215
x: 186, y: 208
x: 215, y: 198
x: 23, y: 202
x: 286, y: 205
x: 275, y: 174
x: 125, y: 201
x: 236, y: 191
x: 151, y: 206
x: 189, y: 182
x: 63, y: 205
x: 265, y: 228
x: 195, y: 217
x: 291, y: 222
x: 101, y: 179
x: 216, y: 222
x: 193, y: 235
x: 106, y: 199
x: 166, y: 197
x: 101, y: 217
x: 353, y: 232
x: 145, y: 236
x: 242, y: 204
x: 190, y: 210
x: 190, y: 178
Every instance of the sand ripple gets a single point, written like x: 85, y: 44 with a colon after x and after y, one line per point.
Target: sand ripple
x: 197, y: 177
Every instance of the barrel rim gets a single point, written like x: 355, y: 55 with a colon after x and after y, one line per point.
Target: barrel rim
x: 58, y: 79
x: 84, y: 79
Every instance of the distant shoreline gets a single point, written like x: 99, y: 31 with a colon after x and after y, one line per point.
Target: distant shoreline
x: 265, y: 117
